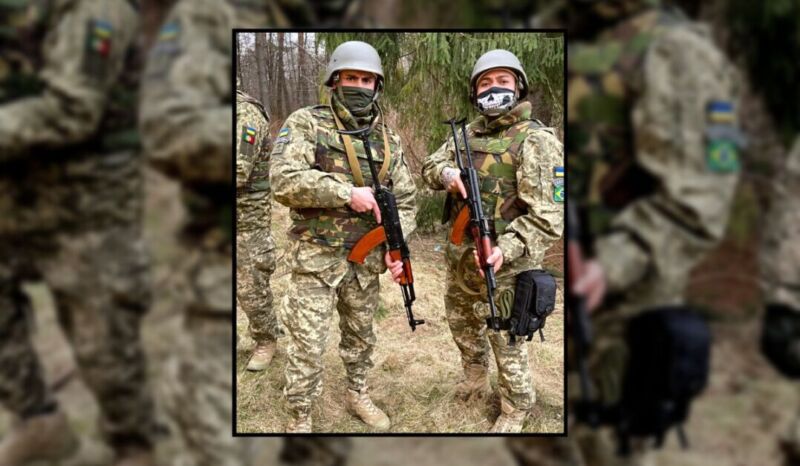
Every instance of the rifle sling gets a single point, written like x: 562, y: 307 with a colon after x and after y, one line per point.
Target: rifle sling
x: 353, y: 160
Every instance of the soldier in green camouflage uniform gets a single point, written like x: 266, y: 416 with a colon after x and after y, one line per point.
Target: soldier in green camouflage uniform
x: 255, y: 258
x: 71, y: 215
x: 520, y: 165
x: 653, y: 163
x: 310, y: 173
x: 185, y: 122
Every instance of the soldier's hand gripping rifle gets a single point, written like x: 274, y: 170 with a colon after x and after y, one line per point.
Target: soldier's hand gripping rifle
x: 472, y: 216
x: 390, y: 231
x: 587, y: 410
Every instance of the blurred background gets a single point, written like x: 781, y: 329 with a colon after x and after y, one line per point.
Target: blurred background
x: 748, y: 406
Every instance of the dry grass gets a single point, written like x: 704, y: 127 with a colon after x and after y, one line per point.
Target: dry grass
x: 415, y: 373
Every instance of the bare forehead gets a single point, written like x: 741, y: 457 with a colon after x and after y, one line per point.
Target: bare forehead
x: 497, y: 73
x: 357, y: 73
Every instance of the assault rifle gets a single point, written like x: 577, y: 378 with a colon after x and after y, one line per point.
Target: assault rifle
x: 390, y: 231
x: 472, y: 216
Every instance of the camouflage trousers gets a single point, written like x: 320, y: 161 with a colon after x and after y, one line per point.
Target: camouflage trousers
x: 466, y: 314
x: 79, y: 230
x: 311, y: 451
x: 197, y: 384
x: 307, y: 319
x: 254, y: 266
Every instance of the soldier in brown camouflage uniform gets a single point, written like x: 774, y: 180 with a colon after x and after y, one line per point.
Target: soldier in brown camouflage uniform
x: 255, y: 257
x: 71, y: 214
x: 653, y: 164
x: 520, y: 165
x: 332, y: 207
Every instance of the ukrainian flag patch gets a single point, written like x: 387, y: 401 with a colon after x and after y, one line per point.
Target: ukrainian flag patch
x: 283, y: 135
x: 169, y: 32
x: 720, y: 112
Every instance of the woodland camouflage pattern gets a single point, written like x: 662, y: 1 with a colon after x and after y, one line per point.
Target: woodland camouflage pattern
x: 255, y: 259
x: 652, y: 195
x: 516, y: 161
x: 307, y: 173
x: 70, y: 212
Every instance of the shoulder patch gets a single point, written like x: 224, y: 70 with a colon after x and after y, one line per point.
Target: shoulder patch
x: 98, y: 48
x: 558, y: 184
x: 166, y: 48
x: 169, y: 31
x: 723, y: 138
x: 283, y: 135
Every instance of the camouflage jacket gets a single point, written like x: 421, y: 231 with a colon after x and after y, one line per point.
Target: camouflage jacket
x: 310, y: 184
x: 253, y: 200
x: 530, y: 167
x: 780, y: 251
x: 652, y: 146
x: 66, y: 76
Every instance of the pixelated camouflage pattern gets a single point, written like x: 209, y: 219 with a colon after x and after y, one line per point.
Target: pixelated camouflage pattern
x: 255, y: 261
x: 636, y: 110
x: 340, y: 226
x: 185, y: 119
x: 71, y: 209
x: 306, y: 319
x: 466, y: 316
x: 780, y: 255
x: 254, y: 266
x: 91, y: 98
x: 322, y: 271
x: 627, y: 169
x: 528, y: 174
x: 527, y: 237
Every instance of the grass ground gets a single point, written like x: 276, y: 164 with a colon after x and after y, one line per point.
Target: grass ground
x: 415, y: 373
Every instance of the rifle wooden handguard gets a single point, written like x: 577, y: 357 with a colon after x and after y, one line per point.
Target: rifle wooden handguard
x: 367, y: 243
x: 460, y: 226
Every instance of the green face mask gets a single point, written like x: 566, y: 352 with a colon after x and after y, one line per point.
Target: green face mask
x: 357, y: 99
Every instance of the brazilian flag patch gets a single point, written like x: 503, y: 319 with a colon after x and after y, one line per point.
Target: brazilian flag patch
x: 722, y: 156
x: 98, y: 48
x: 558, y: 184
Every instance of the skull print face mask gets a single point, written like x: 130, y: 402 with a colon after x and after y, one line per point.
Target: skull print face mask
x: 496, y: 101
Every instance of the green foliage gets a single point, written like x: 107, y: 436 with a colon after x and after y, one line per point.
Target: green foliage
x: 430, y: 205
x: 768, y: 35
x: 427, y: 74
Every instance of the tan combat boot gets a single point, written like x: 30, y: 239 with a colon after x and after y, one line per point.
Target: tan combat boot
x: 358, y: 404
x: 300, y: 423
x: 510, y: 420
x: 262, y: 356
x: 45, y: 437
x: 475, y: 384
